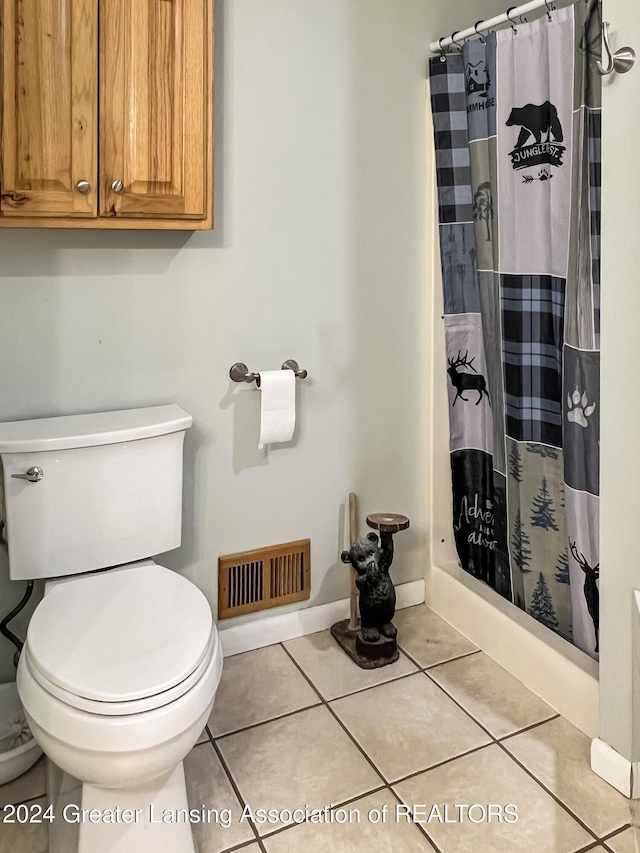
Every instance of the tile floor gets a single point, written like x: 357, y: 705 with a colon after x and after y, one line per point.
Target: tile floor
x: 299, y: 724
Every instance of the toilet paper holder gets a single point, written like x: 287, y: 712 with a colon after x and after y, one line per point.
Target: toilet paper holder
x: 239, y: 372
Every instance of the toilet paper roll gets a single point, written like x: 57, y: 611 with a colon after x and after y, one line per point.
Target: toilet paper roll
x: 278, y: 406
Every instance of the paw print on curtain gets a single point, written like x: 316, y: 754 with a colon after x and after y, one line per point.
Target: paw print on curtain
x: 581, y: 417
x: 578, y: 408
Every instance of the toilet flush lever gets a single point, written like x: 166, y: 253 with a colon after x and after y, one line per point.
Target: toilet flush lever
x: 33, y: 475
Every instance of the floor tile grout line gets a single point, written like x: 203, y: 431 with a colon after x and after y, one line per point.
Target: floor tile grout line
x: 373, y: 686
x: 426, y: 671
x: 417, y: 825
x: 449, y: 660
x: 462, y: 708
x: 234, y: 786
x: 415, y: 662
x: 242, y: 846
x: 264, y: 722
x: 341, y: 805
x: 549, y: 792
x: 615, y: 832
x: 337, y: 719
x: 439, y: 764
x: 304, y: 675
x: 528, y: 728
x: 360, y: 689
x: 430, y: 666
x: 605, y: 841
x: 477, y: 721
x: 361, y: 796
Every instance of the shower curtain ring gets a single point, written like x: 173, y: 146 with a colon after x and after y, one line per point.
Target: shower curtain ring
x: 453, y: 41
x: 513, y: 23
x: 549, y: 8
x: 443, y: 55
x: 475, y: 27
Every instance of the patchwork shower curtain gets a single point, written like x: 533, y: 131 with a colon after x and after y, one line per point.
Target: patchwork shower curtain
x: 517, y: 135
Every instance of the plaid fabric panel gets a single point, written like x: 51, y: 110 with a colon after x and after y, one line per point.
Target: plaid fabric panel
x: 459, y: 269
x: 449, y: 107
x: 594, y: 126
x: 533, y: 320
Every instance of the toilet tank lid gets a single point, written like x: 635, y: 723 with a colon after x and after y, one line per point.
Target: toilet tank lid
x: 70, y: 431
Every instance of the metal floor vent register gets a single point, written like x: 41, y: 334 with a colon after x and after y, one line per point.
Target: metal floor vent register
x: 263, y: 578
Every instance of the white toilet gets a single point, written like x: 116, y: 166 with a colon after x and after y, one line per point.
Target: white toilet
x: 122, y: 657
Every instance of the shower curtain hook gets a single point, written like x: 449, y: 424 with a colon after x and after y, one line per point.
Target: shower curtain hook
x: 453, y: 41
x: 475, y: 27
x: 549, y: 8
x: 443, y: 55
x: 513, y: 23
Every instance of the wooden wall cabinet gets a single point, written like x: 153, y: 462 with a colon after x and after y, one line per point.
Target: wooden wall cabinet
x: 106, y: 114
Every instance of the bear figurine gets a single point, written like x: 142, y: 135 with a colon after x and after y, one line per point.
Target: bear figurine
x: 372, y: 561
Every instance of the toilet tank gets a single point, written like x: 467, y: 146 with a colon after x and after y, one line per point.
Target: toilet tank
x: 110, y: 492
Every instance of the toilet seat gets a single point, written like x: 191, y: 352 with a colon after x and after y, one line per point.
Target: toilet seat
x: 118, y: 709
x: 121, y: 642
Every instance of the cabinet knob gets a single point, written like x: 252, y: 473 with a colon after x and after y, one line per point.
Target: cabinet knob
x: 83, y: 187
x: 117, y: 186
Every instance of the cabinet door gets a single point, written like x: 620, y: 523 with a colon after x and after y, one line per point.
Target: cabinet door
x: 49, y: 108
x: 155, y: 100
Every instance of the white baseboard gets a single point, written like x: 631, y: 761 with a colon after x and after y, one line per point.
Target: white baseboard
x: 614, y: 769
x: 287, y: 626
x: 555, y: 670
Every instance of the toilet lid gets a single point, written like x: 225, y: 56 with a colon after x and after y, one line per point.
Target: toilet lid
x: 120, y: 635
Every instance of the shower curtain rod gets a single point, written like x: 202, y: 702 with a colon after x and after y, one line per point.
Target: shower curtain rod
x: 485, y: 26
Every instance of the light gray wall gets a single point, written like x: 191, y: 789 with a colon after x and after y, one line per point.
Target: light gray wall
x: 620, y: 406
x: 318, y: 254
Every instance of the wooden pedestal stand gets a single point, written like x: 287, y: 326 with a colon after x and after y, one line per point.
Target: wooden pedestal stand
x: 368, y: 655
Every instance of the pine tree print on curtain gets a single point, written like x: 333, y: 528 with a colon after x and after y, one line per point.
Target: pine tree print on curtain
x: 520, y: 551
x: 542, y: 511
x: 515, y: 463
x: 517, y: 136
x: 541, y: 607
